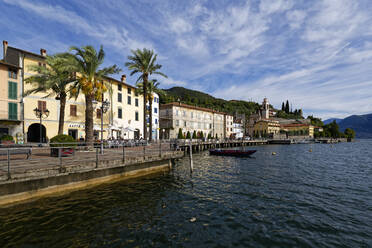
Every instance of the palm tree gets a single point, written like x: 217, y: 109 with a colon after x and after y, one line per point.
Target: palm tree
x: 55, y: 80
x: 144, y: 62
x: 152, y: 87
x: 90, y: 80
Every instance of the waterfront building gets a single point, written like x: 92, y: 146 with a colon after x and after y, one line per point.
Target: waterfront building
x: 298, y: 129
x: 229, y: 123
x: 126, y: 113
x: 155, y: 117
x: 10, y: 101
x: 175, y: 116
x: 264, y: 113
x: 266, y: 128
x: 124, y: 118
x: 238, y: 129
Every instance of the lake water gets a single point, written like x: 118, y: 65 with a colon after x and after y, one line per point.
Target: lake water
x: 295, y: 198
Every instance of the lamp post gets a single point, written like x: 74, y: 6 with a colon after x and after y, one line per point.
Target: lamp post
x: 163, y: 134
x: 41, y: 113
x: 104, y: 107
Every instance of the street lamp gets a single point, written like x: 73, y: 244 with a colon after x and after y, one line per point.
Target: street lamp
x: 41, y: 113
x: 104, y: 107
x: 163, y: 134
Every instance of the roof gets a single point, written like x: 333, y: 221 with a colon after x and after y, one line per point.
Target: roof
x: 10, y: 65
x: 178, y: 104
x: 296, y: 125
x: 119, y: 81
x: 27, y: 52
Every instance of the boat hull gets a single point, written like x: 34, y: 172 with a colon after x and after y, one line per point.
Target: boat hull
x: 234, y: 153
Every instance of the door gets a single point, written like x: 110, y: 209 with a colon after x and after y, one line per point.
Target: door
x: 73, y: 133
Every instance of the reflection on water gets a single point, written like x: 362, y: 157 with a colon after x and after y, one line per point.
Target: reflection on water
x: 295, y: 198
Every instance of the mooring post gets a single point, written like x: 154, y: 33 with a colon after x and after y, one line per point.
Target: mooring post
x: 60, y: 159
x: 123, y: 154
x: 97, y: 157
x: 160, y: 149
x: 8, y: 153
x: 191, y: 162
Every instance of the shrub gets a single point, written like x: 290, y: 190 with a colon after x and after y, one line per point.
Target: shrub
x: 194, y: 135
x: 180, y: 134
x: 61, y: 140
x: 188, y: 135
x: 6, y: 137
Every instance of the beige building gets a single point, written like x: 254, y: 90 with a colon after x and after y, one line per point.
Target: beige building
x: 10, y: 101
x: 298, y: 129
x: 266, y: 128
x: 175, y: 116
x: 123, y: 119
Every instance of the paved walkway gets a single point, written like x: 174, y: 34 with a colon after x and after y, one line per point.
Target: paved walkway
x: 41, y: 163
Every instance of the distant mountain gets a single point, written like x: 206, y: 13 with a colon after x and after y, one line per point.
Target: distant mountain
x: 362, y: 124
x: 331, y: 120
x: 197, y: 98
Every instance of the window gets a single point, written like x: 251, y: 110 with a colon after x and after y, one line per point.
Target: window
x: 192, y: 115
x: 41, y: 105
x: 119, y: 97
x: 73, y: 110
x: 12, y: 90
x: 136, y: 102
x: 155, y: 110
x: 120, y: 113
x: 13, y: 74
x: 156, y: 121
x: 12, y: 111
x: 119, y: 87
x: 129, y: 91
x: 176, y: 112
x: 177, y: 123
x: 185, y: 124
x: 184, y: 113
x: 135, y: 93
x: 99, y: 114
x: 210, y: 126
x: 129, y: 100
x: 136, y: 116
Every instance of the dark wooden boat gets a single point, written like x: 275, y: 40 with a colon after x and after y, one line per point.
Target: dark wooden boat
x: 235, y: 153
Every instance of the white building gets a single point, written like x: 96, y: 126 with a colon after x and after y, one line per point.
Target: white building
x: 238, y: 129
x: 155, y: 117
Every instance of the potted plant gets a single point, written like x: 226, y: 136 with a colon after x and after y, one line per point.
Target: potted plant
x: 62, y: 142
x: 7, y: 140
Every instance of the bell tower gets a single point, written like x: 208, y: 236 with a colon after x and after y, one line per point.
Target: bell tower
x: 265, y: 109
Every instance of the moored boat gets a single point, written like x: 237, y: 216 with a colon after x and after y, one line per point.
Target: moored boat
x: 235, y: 153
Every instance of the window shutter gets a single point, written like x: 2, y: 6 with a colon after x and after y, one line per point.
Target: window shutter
x: 99, y: 113
x: 12, y: 111
x: 44, y: 106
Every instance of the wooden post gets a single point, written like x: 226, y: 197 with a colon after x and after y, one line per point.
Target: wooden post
x: 191, y: 162
x: 8, y: 153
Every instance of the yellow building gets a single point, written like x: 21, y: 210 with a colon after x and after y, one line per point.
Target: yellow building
x: 298, y: 129
x: 10, y: 100
x: 123, y: 119
x: 266, y: 128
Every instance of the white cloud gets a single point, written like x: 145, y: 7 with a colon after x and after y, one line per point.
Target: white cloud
x: 296, y: 18
x: 270, y: 7
x: 179, y: 25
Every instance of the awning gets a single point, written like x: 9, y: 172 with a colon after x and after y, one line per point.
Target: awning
x: 129, y: 129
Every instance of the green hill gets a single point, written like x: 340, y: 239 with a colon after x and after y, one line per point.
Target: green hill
x: 197, y: 98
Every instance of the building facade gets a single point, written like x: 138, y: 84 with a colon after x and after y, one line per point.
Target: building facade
x: 178, y: 116
x: 10, y: 101
x: 238, y: 129
x: 124, y: 119
x: 266, y: 128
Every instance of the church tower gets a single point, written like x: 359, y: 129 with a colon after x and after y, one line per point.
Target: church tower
x: 265, y: 109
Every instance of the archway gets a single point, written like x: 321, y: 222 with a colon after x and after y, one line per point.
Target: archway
x: 33, y: 133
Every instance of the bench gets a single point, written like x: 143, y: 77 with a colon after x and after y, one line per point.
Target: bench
x: 12, y: 151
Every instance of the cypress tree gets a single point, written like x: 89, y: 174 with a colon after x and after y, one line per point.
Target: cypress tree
x: 180, y: 134
x: 287, y: 107
x: 194, y: 135
x: 283, y: 107
x: 188, y: 135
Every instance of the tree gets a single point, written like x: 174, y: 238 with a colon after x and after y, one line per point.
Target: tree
x: 90, y: 80
x: 55, y: 79
x: 152, y: 87
x: 209, y: 136
x: 350, y: 133
x: 180, y: 134
x: 216, y: 136
x: 283, y: 107
x: 194, y: 135
x: 188, y: 135
x: 144, y: 62
x: 287, y: 107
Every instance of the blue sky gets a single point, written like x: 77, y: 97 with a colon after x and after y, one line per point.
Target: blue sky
x: 317, y: 54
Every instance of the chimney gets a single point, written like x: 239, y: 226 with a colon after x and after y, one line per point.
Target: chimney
x: 5, y: 48
x: 124, y: 78
x: 43, y: 52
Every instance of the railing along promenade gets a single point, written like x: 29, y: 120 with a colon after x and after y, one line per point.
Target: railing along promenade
x: 28, y: 161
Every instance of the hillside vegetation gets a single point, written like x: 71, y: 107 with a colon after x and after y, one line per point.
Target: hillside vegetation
x: 197, y: 98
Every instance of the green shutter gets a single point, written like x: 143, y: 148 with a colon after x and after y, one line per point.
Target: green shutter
x: 12, y: 111
x: 12, y: 90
